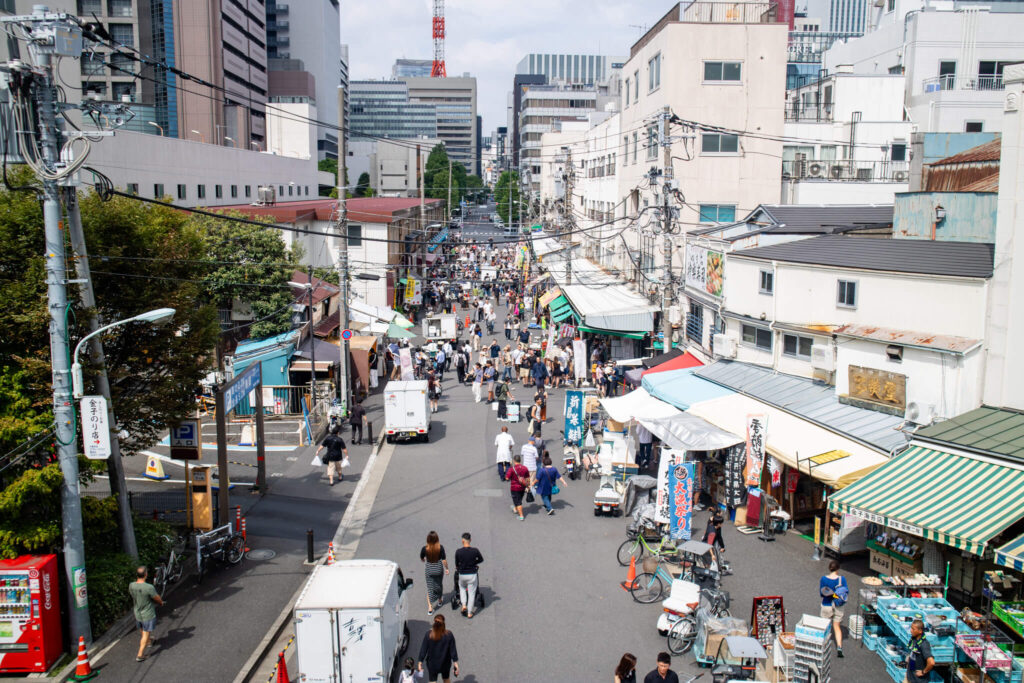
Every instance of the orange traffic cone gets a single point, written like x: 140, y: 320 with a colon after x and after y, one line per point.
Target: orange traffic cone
x: 630, y: 575
x: 282, y: 669
x: 83, y: 671
x: 330, y: 553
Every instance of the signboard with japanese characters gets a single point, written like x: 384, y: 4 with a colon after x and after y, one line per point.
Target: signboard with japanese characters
x: 735, y: 491
x: 756, y: 434
x: 95, y: 427
x: 680, y: 486
x: 704, y: 269
x: 414, y: 291
x: 574, y: 419
x: 878, y: 386
x: 663, y: 500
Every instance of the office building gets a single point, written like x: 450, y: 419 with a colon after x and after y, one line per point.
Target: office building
x: 384, y: 109
x: 411, y: 68
x: 848, y: 16
x: 310, y: 32
x: 582, y: 69
x: 455, y: 100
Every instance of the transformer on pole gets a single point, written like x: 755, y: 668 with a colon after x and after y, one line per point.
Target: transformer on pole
x: 438, y: 70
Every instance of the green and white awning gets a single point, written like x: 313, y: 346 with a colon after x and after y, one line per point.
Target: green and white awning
x: 956, y: 500
x: 1012, y: 554
x: 561, y: 309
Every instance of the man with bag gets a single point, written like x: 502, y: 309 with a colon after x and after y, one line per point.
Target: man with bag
x: 536, y: 418
x: 337, y: 455
x: 519, y: 484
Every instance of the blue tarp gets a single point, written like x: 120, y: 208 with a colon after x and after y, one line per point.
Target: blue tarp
x: 273, y: 353
x: 681, y: 388
x: 437, y: 239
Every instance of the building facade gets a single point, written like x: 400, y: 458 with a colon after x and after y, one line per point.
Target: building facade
x: 384, y: 109
x: 569, y: 68
x: 454, y: 100
x: 411, y: 68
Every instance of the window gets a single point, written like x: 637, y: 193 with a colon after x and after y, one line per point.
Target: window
x: 120, y: 90
x: 759, y: 337
x: 290, y: 188
x: 133, y: 188
x: 767, y: 282
x: 722, y: 71
x: 947, y: 74
x: 717, y: 213
x: 636, y: 143
x: 627, y: 92
x: 695, y: 324
x: 119, y: 8
x: 218, y: 191
x: 625, y: 144
x: 654, y: 72
x: 307, y: 190
x: 636, y: 85
x: 652, y: 142
x: 719, y: 143
x: 890, y: 6
x: 898, y: 151
x: 234, y: 191
x: 355, y: 235
x: 973, y: 126
x: 799, y: 347
x: 123, y: 34
x: 201, y: 191
x: 182, y: 192
x: 248, y: 191
x: 847, y: 294
x: 158, y: 190
x: 894, y: 353
x: 280, y: 190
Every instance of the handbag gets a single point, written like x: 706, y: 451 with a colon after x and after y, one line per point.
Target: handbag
x: 555, y: 490
x: 529, y: 496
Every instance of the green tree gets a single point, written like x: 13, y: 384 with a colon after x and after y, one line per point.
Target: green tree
x: 508, y: 196
x: 362, y: 185
x: 331, y: 166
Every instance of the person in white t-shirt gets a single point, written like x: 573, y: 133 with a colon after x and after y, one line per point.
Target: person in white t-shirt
x: 530, y: 456
x: 504, y: 443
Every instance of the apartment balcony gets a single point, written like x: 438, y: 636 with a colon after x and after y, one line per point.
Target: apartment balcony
x: 813, y: 113
x: 846, y: 170
x: 951, y: 82
x: 277, y: 25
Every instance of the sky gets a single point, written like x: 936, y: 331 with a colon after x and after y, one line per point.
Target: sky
x: 487, y: 38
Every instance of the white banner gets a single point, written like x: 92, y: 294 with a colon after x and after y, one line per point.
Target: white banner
x: 757, y: 426
x: 549, y: 349
x: 669, y: 458
x: 579, y: 354
x: 95, y: 428
x: 405, y: 358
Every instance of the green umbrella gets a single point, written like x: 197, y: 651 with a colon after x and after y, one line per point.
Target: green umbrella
x: 396, y: 332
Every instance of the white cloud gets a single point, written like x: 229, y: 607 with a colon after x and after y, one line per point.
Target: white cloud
x: 487, y: 38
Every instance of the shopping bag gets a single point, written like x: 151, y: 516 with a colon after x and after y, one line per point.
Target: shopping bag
x: 529, y: 496
x: 345, y: 462
x: 589, y: 441
x: 555, y: 490
x: 317, y: 462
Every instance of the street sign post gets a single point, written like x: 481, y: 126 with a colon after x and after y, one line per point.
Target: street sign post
x: 227, y: 397
x: 185, y: 441
x: 95, y: 427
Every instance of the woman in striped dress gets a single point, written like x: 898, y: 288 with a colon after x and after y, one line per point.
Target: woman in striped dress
x: 435, y: 565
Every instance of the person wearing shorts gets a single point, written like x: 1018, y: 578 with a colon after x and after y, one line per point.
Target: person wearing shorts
x: 519, y: 478
x: 144, y: 602
x: 834, y: 593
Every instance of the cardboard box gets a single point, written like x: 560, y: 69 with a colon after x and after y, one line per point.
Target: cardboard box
x: 714, y: 641
x: 880, y: 562
x: 615, y: 426
x: 741, y: 516
x: 904, y: 569
x: 972, y: 674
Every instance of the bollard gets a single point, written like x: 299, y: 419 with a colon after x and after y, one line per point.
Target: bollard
x: 309, y: 546
x: 245, y: 538
x: 238, y: 517
x: 369, y: 431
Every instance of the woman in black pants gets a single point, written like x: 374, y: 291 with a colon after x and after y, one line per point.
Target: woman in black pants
x: 439, y: 652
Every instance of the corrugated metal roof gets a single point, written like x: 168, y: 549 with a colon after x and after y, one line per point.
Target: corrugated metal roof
x: 809, y: 400
x: 990, y: 151
x: 987, y: 184
x: 824, y: 219
x: 924, y: 340
x: 997, y: 431
x: 958, y: 259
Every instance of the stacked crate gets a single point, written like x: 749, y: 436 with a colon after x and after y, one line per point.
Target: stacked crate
x: 814, y: 651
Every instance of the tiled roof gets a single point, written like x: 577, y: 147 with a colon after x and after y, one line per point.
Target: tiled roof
x: 321, y: 289
x: 998, y: 431
x: 958, y: 259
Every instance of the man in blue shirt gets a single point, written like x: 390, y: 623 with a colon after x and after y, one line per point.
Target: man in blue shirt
x: 834, y: 594
x: 919, y: 658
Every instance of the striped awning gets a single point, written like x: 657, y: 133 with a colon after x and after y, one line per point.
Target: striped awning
x: 1012, y: 554
x: 561, y: 309
x: 956, y: 500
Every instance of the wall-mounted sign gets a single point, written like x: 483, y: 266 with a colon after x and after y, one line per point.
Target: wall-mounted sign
x: 704, y: 269
x: 878, y: 386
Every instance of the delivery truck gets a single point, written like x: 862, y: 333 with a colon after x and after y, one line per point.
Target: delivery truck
x: 406, y: 411
x: 444, y: 326
x: 351, y: 622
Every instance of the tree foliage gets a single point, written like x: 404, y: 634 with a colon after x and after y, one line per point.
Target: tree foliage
x: 436, y: 173
x: 508, y: 197
x: 362, y: 185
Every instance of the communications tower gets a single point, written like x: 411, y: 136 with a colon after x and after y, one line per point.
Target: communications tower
x: 438, y: 70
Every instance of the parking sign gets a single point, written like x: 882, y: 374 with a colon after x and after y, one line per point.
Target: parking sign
x: 185, y: 441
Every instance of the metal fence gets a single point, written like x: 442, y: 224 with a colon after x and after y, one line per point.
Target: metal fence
x: 287, y: 400
x: 167, y: 506
x: 730, y: 12
x: 953, y: 82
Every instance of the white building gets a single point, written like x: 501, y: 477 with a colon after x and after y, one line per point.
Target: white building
x: 863, y: 153
x: 597, y: 190
x: 393, y: 165
x: 191, y: 173
x: 289, y: 132
x: 952, y: 59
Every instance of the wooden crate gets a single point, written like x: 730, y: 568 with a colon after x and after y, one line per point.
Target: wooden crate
x: 880, y: 562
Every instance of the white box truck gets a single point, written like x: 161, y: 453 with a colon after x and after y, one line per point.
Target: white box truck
x: 406, y: 411
x: 444, y: 326
x: 350, y: 622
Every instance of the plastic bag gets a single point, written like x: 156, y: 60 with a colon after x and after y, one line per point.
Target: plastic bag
x: 345, y: 462
x: 589, y: 442
x: 317, y: 462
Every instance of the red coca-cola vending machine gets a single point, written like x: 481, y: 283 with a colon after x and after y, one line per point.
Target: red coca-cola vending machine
x: 30, y: 625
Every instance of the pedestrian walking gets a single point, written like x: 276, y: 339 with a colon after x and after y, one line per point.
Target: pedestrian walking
x: 411, y: 674
x: 530, y: 456
x: 467, y: 564
x: 538, y: 373
x: 439, y: 362
x: 478, y: 382
x: 503, y: 394
x: 435, y: 568
x: 547, y: 479
x: 503, y: 444
x: 489, y: 374
x: 439, y: 652
x: 536, y: 421
x: 542, y: 395
x: 336, y: 454
x: 834, y: 594
x: 625, y: 672
x: 508, y: 326
x: 646, y: 451
x: 519, y: 481
x: 144, y: 602
x: 920, y: 661
x: 664, y: 672
x: 433, y: 390
x: 356, y: 419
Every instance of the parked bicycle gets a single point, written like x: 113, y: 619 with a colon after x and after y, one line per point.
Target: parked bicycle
x: 223, y: 544
x: 638, y: 545
x: 649, y: 587
x: 171, y: 569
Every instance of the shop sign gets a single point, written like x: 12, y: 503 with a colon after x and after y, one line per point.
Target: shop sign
x: 756, y: 434
x: 878, y: 386
x: 662, y: 505
x: 579, y: 358
x: 680, y: 484
x: 704, y: 269
x: 882, y: 520
x: 574, y: 416
x: 95, y: 428
x: 414, y: 291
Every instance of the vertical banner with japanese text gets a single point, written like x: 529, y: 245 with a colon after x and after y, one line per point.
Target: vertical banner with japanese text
x: 680, y: 484
x: 405, y: 359
x: 756, y: 432
x: 574, y: 417
x: 579, y: 356
x: 95, y: 427
x: 669, y: 459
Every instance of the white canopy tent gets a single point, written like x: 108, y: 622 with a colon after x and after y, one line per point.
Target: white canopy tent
x: 675, y: 428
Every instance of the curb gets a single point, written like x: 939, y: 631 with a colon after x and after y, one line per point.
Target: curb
x: 252, y: 664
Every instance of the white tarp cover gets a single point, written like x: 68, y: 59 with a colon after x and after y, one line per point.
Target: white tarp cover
x: 674, y: 427
x: 365, y: 313
x: 637, y: 404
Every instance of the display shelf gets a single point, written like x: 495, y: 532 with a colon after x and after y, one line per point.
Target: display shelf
x: 899, y: 613
x: 1011, y: 614
x: 905, y: 559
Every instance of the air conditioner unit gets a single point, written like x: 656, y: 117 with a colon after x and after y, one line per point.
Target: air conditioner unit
x: 266, y: 194
x: 822, y: 357
x: 725, y: 346
x: 900, y: 176
x: 837, y: 171
x: 919, y: 414
x: 815, y: 170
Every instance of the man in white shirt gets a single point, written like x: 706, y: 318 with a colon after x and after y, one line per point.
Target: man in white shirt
x: 530, y: 456
x: 504, y: 443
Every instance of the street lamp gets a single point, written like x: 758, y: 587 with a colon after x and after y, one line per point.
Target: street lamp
x: 202, y: 138
x: 161, y: 128
x: 153, y: 317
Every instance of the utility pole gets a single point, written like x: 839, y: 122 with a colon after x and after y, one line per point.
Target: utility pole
x: 312, y: 341
x: 115, y: 468
x: 341, y: 212
x: 570, y: 181
x: 667, y: 229
x: 57, y: 33
x: 449, y: 191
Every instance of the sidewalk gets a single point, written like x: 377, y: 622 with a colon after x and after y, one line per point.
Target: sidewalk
x: 208, y: 632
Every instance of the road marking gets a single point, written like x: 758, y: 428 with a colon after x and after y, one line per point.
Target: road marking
x: 291, y: 458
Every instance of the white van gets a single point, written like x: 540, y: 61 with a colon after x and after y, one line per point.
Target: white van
x: 350, y: 622
x: 406, y: 411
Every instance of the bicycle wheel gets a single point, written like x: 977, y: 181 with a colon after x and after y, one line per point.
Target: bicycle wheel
x: 647, y: 588
x: 628, y: 549
x: 681, y: 636
x: 174, y: 569
x: 235, y: 550
x: 160, y: 580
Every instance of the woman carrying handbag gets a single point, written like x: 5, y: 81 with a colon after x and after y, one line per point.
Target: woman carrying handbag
x: 435, y: 568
